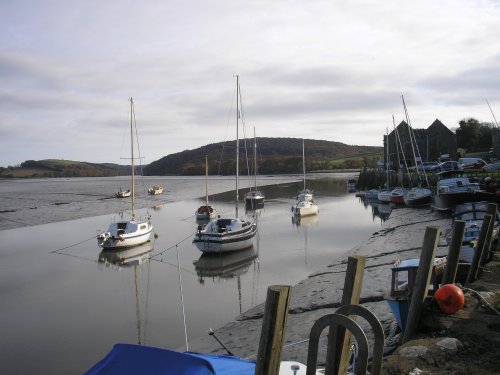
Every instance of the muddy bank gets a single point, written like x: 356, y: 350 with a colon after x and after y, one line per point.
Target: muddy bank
x: 401, y: 237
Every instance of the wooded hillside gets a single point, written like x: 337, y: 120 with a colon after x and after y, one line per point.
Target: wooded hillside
x: 274, y: 156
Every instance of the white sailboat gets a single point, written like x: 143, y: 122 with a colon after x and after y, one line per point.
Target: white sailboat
x: 232, y: 233
x: 206, y: 212
x: 305, y: 205
x: 255, y: 197
x: 133, y: 232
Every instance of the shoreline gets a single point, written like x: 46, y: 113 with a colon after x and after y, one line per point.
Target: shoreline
x: 400, y: 237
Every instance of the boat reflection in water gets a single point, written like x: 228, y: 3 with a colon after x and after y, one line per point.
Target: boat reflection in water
x: 379, y: 210
x: 304, y: 222
x: 132, y: 256
x: 225, y: 266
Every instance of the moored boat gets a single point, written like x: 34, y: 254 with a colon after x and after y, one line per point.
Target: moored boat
x: 254, y: 198
x: 305, y: 204
x: 397, y: 195
x: 230, y: 233
x: 351, y: 185
x: 371, y: 194
x: 155, y: 190
x: 454, y: 187
x: 384, y: 195
x: 418, y: 197
x: 123, y: 193
x: 206, y: 212
x: 224, y: 235
x: 137, y: 230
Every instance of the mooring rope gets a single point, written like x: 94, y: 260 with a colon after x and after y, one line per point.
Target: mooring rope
x: 75, y: 244
x: 171, y: 247
x: 182, y: 299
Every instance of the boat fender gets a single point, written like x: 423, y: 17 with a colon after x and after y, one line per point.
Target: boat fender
x: 156, y: 235
x: 121, y: 239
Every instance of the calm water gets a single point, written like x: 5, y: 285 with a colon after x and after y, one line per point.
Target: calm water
x: 62, y: 309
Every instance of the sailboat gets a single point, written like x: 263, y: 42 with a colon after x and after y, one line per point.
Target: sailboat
x: 206, y: 212
x: 232, y: 233
x: 305, y: 205
x: 384, y: 193
x: 133, y: 232
x: 254, y: 198
x: 420, y: 195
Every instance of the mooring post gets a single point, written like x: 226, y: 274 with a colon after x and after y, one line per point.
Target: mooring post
x: 450, y: 271
x: 422, y: 280
x: 338, y: 363
x: 273, y: 330
x: 479, y: 250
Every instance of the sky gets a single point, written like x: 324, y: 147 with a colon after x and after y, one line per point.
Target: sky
x: 314, y: 69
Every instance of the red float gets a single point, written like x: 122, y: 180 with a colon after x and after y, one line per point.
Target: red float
x: 449, y: 298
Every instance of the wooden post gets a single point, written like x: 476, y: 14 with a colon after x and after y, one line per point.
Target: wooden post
x: 422, y: 281
x: 337, y: 364
x: 273, y: 330
x: 479, y: 250
x: 450, y: 272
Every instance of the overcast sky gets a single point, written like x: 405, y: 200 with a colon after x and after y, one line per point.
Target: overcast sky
x: 332, y: 70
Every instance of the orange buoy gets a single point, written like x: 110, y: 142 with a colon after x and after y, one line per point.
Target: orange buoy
x: 449, y: 298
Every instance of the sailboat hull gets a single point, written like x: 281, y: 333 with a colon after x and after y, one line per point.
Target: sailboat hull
x: 305, y: 208
x: 125, y: 234
x: 218, y: 239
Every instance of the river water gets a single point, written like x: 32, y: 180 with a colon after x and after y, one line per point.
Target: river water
x: 63, y: 306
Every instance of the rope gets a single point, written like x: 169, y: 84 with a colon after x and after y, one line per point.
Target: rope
x: 78, y: 243
x: 171, y: 247
x: 481, y: 298
x: 182, y: 299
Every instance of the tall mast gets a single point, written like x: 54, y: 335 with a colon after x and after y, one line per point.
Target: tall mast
x: 237, y: 140
x: 206, y: 180
x: 303, y: 164
x: 132, y: 152
x: 255, y: 157
x: 387, y: 160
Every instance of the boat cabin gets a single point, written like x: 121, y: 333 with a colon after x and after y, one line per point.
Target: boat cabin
x: 404, y: 273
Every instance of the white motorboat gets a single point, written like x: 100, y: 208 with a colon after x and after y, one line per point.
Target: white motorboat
x: 232, y: 233
x: 133, y: 232
x: 305, y: 204
x: 206, y: 212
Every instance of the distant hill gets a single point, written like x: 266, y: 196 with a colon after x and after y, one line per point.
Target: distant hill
x: 63, y: 168
x: 274, y: 156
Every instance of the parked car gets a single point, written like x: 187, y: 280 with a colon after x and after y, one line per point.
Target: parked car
x: 471, y: 163
x: 449, y: 166
x: 429, y: 165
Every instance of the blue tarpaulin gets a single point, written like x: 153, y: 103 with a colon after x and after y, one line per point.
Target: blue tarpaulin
x: 127, y: 359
